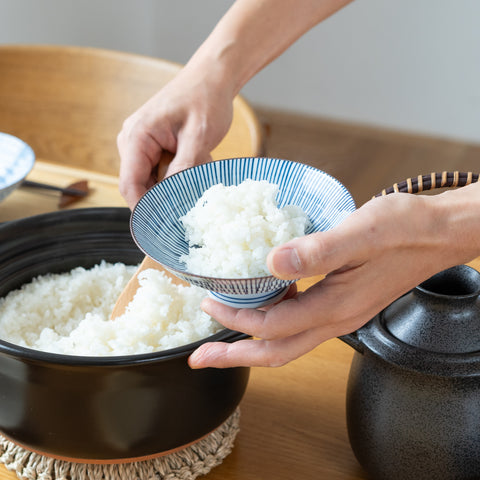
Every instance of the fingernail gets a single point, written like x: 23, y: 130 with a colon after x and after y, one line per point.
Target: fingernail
x: 206, y: 303
x: 286, y: 261
x: 193, y: 360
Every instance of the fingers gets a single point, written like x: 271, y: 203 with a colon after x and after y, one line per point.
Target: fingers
x: 284, y: 336
x: 255, y: 353
x: 291, y: 328
x: 142, y: 149
x: 189, y: 116
x: 191, y: 151
x: 348, y: 245
x: 138, y: 158
x: 142, y: 144
x: 337, y: 305
x: 274, y: 323
x: 322, y: 252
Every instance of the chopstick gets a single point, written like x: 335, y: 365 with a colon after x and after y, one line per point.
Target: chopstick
x: 74, y: 192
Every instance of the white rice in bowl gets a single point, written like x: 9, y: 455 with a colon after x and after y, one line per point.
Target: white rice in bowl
x: 69, y: 313
x: 231, y: 230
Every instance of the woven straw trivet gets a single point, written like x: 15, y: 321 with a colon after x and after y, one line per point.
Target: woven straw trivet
x: 187, y: 464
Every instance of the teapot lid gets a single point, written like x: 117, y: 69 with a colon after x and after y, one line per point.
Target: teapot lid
x: 441, y: 315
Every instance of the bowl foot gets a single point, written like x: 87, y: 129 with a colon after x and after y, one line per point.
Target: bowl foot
x: 249, y: 301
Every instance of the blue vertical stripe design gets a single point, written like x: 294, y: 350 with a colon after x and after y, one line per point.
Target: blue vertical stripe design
x: 158, y: 232
x: 16, y: 160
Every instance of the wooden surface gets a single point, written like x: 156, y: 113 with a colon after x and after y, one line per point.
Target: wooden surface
x: 25, y: 202
x: 292, y: 418
x: 69, y: 103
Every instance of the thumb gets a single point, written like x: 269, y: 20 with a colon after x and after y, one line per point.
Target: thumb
x: 316, y: 254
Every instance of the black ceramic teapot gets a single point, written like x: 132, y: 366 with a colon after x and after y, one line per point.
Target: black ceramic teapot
x: 413, y: 397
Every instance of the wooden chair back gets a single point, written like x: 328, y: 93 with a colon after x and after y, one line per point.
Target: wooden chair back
x: 69, y: 103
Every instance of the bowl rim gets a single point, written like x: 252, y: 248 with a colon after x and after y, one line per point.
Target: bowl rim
x: 26, y: 147
x: 183, y: 274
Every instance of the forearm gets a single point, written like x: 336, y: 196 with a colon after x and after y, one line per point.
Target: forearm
x: 255, y: 32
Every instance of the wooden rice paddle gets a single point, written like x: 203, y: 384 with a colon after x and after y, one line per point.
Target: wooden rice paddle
x: 132, y: 286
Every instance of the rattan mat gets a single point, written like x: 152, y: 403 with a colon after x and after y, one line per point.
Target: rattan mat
x: 187, y: 464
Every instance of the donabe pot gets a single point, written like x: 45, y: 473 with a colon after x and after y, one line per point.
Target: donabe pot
x: 413, y: 396
x: 94, y: 409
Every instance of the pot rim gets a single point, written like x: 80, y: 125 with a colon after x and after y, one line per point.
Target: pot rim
x: 41, y: 356
x: 74, y: 212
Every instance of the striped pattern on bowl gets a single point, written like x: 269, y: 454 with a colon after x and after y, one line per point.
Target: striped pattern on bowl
x: 158, y: 232
x: 16, y: 160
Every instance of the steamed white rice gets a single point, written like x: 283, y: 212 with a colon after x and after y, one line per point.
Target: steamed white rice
x: 231, y: 230
x: 69, y: 313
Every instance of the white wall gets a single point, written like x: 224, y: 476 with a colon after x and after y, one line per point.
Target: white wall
x: 407, y: 64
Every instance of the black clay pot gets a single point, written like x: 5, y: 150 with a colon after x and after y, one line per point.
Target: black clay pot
x: 94, y: 409
x: 413, y: 398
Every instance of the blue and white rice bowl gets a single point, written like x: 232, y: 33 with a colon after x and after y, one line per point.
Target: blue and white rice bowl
x: 156, y: 227
x: 16, y: 161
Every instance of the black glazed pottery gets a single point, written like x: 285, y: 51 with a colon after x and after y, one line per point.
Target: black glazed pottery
x: 100, y: 409
x: 413, y: 396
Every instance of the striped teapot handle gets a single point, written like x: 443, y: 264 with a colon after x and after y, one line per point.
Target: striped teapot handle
x: 431, y: 181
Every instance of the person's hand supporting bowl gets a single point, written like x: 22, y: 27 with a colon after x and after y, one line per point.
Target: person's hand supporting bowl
x: 381, y: 251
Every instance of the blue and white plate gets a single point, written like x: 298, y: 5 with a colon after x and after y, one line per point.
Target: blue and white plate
x: 156, y: 227
x: 16, y: 160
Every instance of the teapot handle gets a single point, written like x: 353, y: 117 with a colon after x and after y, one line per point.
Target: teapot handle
x: 430, y: 182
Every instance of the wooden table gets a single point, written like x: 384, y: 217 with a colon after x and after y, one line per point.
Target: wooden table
x: 25, y: 202
x: 292, y: 418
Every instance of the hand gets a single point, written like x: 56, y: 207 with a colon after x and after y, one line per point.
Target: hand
x: 191, y: 115
x: 378, y: 253
x: 188, y: 117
